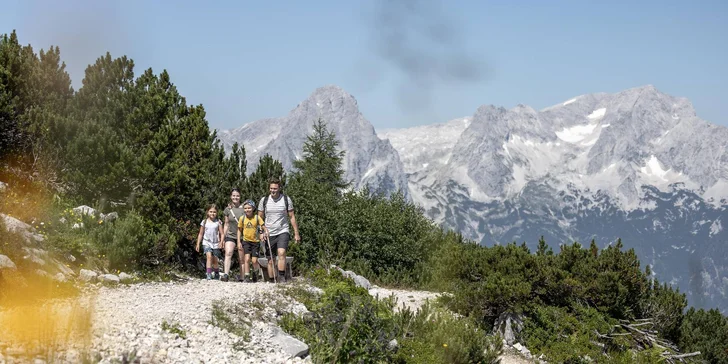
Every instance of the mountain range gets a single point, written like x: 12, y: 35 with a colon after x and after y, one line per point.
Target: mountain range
x: 637, y: 165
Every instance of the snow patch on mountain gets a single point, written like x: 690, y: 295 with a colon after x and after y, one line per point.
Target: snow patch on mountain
x: 716, y: 227
x: 568, y: 101
x: 426, y: 146
x: 597, y: 114
x: 576, y: 133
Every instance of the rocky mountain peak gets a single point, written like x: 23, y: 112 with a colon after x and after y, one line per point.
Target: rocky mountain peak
x: 368, y: 160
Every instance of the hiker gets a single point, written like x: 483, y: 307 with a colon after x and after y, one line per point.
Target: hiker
x: 251, y: 228
x: 211, y: 234
x: 231, y: 214
x: 276, y: 209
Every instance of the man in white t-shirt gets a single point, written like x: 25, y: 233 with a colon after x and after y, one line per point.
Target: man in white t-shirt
x: 276, y: 210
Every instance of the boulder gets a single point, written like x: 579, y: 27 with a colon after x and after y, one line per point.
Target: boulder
x: 14, y: 225
x: 42, y: 273
x: 508, y: 325
x: 84, y: 210
x: 59, y: 277
x: 522, y: 349
x: 87, y: 275
x: 358, y: 280
x: 109, y: 278
x: 123, y: 277
x: 66, y: 270
x: 293, y: 347
x: 111, y: 216
x: 6, y: 263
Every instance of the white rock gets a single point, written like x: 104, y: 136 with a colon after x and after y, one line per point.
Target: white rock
x: 85, y: 210
x: 3, y: 187
x: 6, y: 263
x: 522, y: 349
x: 110, y: 278
x: 14, y: 225
x: 42, y: 273
x: 87, y: 275
x: 35, y: 259
x: 59, y: 277
x: 123, y: 277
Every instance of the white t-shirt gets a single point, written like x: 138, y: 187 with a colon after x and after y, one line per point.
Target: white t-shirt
x: 276, y: 216
x: 211, y: 237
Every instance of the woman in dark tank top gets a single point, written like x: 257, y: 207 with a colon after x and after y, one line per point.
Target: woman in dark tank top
x: 231, y: 215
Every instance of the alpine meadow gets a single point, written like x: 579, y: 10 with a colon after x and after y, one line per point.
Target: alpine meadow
x: 129, y: 146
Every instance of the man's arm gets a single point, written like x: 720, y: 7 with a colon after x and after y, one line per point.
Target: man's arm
x: 292, y: 216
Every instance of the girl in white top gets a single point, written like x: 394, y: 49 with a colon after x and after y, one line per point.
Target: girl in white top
x: 211, y: 234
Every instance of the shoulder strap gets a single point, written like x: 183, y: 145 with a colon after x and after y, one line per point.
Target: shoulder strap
x: 265, y: 202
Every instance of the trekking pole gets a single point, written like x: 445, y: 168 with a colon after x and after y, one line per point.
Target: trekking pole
x: 275, y: 271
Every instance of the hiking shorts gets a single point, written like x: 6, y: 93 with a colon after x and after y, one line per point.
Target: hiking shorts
x: 216, y: 252
x: 251, y: 248
x: 277, y: 242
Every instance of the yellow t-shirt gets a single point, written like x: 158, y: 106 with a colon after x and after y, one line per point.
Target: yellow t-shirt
x: 250, y: 228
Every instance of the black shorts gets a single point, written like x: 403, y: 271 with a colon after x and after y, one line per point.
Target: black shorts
x: 277, y: 242
x: 251, y: 248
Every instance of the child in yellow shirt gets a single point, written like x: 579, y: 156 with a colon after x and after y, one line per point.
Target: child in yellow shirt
x: 250, y: 228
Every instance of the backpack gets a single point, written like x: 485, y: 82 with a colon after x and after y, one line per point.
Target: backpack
x: 265, y: 202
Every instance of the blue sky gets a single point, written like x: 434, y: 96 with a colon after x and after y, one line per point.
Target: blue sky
x: 246, y: 60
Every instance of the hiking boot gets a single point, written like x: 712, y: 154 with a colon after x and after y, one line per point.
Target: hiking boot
x: 216, y: 276
x: 224, y: 277
x: 281, y: 279
x: 246, y: 279
x: 209, y: 276
x: 255, y: 277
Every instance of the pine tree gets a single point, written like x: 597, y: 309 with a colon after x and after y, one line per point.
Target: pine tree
x: 593, y: 249
x: 257, y: 183
x: 541, y: 249
x: 321, y: 162
x: 317, y: 184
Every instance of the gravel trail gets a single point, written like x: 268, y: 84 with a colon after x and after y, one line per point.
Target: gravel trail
x: 171, y: 323
x: 130, y: 319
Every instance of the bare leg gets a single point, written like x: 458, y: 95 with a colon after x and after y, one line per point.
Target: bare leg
x: 209, y: 260
x: 270, y: 267
x: 241, y: 259
x: 246, y: 265
x: 281, y: 259
x: 229, y: 249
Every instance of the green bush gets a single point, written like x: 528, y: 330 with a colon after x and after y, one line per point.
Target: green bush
x: 564, y: 336
x: 435, y: 335
x: 346, y: 324
x: 131, y: 243
x: 707, y: 332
